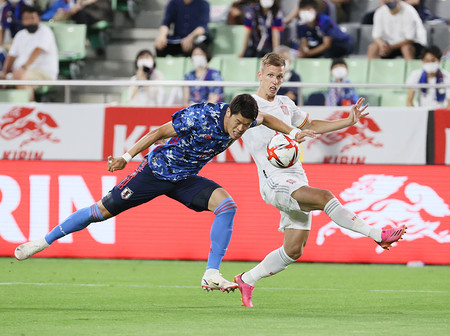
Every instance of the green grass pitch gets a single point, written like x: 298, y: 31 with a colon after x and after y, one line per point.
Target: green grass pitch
x: 144, y: 297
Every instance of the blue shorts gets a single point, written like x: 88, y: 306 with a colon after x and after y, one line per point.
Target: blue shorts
x: 142, y: 186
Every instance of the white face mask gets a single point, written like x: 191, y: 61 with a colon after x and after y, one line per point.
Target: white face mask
x: 199, y: 61
x: 266, y: 3
x: 14, y: 2
x: 145, y: 62
x: 431, y: 67
x: 307, y: 16
x: 339, y: 72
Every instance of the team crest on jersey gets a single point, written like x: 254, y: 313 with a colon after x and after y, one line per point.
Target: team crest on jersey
x: 290, y: 181
x: 126, y: 193
x: 284, y: 109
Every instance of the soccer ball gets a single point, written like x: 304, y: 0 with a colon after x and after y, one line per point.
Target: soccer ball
x: 282, y: 151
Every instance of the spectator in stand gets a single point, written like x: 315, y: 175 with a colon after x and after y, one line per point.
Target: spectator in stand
x: 83, y: 11
x: 342, y: 9
x: 11, y: 19
x: 419, y: 5
x: 33, y: 54
x: 200, y: 58
x: 50, y: 12
x: 236, y: 13
x: 397, y: 31
x: 146, y: 70
x: 319, y: 36
x: 326, y: 7
x: 190, y: 20
x: 340, y: 96
x: 264, y: 23
x: 294, y: 93
x: 431, y: 73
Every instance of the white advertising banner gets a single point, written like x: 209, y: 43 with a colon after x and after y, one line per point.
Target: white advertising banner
x: 51, y: 131
x: 388, y: 135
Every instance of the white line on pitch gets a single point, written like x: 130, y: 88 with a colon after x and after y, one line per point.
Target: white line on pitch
x: 197, y: 287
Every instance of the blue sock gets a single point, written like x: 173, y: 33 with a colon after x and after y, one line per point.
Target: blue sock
x: 75, y: 222
x: 221, y: 231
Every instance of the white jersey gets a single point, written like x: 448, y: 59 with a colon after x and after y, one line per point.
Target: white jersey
x: 257, y: 138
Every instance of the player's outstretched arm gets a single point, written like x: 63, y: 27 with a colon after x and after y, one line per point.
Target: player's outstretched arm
x: 163, y: 132
x: 279, y: 126
x: 323, y: 126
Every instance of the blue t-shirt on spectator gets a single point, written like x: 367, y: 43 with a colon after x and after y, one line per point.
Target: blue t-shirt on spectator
x: 342, y: 96
x: 261, y: 26
x: 186, y: 17
x: 199, y: 94
x: 12, y: 17
x: 324, y: 26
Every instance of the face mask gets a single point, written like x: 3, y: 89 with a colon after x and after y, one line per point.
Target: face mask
x: 266, y: 3
x: 339, y: 72
x: 14, y: 2
x: 431, y: 67
x: 199, y: 61
x: 307, y: 16
x: 31, y: 28
x: 145, y: 63
x: 391, y: 4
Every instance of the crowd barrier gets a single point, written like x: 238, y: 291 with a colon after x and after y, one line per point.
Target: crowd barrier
x: 52, y: 165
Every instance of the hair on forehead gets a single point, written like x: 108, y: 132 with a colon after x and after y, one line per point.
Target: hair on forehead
x: 272, y: 58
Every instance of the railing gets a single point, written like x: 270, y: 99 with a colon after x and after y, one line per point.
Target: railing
x: 67, y: 84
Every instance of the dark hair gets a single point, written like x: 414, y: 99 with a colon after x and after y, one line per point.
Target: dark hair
x: 30, y: 9
x: 308, y: 3
x: 434, y: 50
x: 142, y: 53
x: 245, y: 105
x: 337, y: 61
x: 205, y: 48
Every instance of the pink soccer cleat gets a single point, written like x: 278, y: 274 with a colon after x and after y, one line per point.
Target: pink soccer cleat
x: 245, y: 289
x: 390, y: 236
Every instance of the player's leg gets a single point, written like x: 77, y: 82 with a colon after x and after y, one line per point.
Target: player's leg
x: 200, y: 194
x: 77, y: 221
x: 310, y: 198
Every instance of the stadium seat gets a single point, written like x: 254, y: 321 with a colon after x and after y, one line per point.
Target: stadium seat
x: 239, y: 70
x: 390, y: 71
x: 227, y: 40
x: 441, y: 8
x: 446, y: 65
x: 313, y: 71
x: 440, y: 36
x: 394, y: 98
x: 361, y: 7
x: 71, y: 41
x: 412, y: 65
x: 352, y: 29
x: 358, y: 69
x: 365, y: 38
x: 14, y: 96
x: 171, y: 67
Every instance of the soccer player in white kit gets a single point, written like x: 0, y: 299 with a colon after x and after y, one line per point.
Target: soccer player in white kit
x: 287, y: 189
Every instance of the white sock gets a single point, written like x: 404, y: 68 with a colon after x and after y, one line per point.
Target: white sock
x: 211, y: 272
x: 274, y: 262
x: 348, y: 219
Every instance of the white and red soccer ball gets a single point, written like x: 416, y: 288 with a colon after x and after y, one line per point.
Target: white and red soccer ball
x: 282, y: 151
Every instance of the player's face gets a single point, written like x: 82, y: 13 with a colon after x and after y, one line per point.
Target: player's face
x: 235, y: 124
x: 270, y: 79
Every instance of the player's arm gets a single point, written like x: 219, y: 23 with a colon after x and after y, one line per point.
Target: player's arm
x: 163, y: 132
x: 277, y: 125
x: 324, y: 126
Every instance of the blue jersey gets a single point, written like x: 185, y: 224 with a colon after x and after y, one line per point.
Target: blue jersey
x: 200, y: 94
x: 201, y: 136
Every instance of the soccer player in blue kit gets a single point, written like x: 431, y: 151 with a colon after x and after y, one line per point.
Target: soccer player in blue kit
x: 197, y: 134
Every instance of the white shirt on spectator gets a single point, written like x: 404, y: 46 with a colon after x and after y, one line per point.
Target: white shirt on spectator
x: 428, y: 99
x: 405, y: 25
x: 24, y: 43
x: 148, y: 95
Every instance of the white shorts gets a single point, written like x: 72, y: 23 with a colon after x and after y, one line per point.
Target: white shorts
x: 277, y: 191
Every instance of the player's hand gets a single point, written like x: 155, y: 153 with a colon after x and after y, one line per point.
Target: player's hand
x: 357, y: 111
x: 116, y: 164
x: 300, y: 136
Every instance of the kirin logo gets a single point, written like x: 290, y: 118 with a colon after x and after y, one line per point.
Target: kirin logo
x: 359, y: 134
x: 389, y: 201
x: 28, y: 123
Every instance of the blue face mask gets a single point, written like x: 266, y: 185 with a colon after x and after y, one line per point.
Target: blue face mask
x: 391, y: 4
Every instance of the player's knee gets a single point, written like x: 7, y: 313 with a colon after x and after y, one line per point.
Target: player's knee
x: 294, y: 252
x: 324, y: 197
x: 228, y: 206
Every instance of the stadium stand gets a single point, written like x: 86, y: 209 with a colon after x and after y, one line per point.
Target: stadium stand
x: 239, y: 69
x: 313, y: 71
x: 14, y: 96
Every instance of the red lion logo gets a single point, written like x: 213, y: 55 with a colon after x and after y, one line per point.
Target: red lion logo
x: 357, y: 134
x: 24, y: 121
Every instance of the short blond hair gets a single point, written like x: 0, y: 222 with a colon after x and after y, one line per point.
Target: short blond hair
x: 272, y: 58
